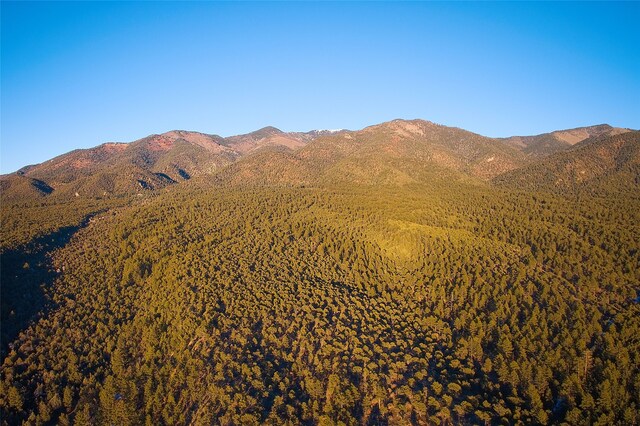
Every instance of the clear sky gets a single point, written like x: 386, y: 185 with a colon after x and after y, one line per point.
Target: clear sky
x: 75, y: 75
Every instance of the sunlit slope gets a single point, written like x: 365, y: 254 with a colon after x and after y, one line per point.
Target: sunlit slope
x: 148, y: 164
x: 599, y: 165
x: 540, y: 146
x: 339, y: 304
x: 396, y: 152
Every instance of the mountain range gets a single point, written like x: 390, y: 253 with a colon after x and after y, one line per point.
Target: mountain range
x: 394, y: 152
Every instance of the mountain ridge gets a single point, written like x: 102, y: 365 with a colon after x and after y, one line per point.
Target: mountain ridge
x: 395, y: 152
x: 598, y: 163
x: 544, y: 144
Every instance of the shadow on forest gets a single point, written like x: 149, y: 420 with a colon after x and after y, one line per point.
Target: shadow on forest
x: 25, y: 273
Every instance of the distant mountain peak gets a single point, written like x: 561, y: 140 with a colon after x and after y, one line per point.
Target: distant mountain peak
x: 573, y: 136
x: 606, y: 162
x: 267, y: 137
x: 266, y: 131
x: 324, y: 132
x: 180, y: 133
x: 545, y: 144
x: 408, y: 128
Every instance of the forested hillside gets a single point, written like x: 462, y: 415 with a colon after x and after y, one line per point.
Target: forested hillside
x: 410, y: 289
x: 595, y: 166
x: 148, y: 164
x: 543, y: 145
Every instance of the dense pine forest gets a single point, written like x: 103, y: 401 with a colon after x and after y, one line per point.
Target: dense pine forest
x: 445, y: 299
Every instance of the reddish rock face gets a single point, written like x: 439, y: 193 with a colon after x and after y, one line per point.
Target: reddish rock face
x: 160, y: 143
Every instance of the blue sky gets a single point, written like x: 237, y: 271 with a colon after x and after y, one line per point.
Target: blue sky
x: 75, y: 75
